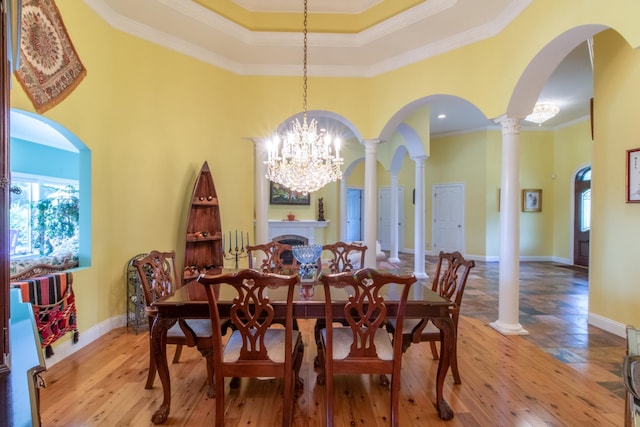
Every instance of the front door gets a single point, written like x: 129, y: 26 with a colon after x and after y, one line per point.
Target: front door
x: 582, y: 218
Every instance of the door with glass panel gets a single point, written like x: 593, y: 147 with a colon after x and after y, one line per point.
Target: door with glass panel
x: 582, y: 219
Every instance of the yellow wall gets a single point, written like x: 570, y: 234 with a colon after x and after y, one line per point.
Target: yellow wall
x: 461, y: 159
x: 407, y: 179
x: 572, y: 152
x: 536, y: 167
x: 613, y: 286
x: 152, y: 116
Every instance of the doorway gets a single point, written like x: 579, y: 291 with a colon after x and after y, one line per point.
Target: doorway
x: 354, y: 214
x: 582, y: 217
x: 448, y: 218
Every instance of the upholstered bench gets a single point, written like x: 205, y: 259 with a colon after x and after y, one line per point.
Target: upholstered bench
x: 54, y: 307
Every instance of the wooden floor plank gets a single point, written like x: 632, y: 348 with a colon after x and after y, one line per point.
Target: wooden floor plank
x: 564, y: 373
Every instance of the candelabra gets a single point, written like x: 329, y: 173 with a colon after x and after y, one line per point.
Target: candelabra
x: 235, y: 253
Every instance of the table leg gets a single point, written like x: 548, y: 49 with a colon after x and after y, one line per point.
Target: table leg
x: 159, y: 352
x: 447, y: 337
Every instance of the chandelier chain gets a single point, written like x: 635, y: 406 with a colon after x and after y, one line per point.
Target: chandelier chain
x: 307, y: 157
x: 304, y: 65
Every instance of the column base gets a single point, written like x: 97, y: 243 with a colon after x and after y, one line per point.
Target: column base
x: 508, y: 328
x: 420, y: 275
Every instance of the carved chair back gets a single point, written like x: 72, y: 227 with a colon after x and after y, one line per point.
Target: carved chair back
x: 363, y: 346
x: 345, y: 256
x: 450, y: 279
x: 254, y: 349
x: 158, y: 275
x: 268, y: 258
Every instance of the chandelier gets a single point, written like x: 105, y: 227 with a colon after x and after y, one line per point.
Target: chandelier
x: 542, y: 112
x: 306, y: 158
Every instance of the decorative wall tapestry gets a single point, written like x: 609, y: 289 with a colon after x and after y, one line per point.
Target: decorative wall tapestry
x: 49, y: 65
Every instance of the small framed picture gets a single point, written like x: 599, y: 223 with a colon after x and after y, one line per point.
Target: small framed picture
x: 633, y: 175
x: 531, y: 200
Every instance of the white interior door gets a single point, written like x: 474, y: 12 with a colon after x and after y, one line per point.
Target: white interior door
x: 354, y: 214
x: 384, y: 218
x: 448, y: 218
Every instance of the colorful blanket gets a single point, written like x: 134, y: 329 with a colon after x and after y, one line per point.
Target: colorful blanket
x: 54, y: 306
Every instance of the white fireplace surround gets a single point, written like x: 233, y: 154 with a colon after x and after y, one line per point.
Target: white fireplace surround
x: 304, y: 228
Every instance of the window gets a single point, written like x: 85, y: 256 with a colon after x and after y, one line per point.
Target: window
x: 44, y: 216
x: 585, y: 201
x: 585, y: 211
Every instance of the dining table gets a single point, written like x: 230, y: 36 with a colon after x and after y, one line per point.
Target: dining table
x: 190, y: 302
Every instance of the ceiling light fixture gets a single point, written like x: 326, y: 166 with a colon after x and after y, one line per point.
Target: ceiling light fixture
x: 306, y: 158
x: 542, y: 112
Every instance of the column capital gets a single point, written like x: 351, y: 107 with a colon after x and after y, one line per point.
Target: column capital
x: 260, y: 142
x: 420, y: 158
x: 372, y: 142
x: 509, y: 124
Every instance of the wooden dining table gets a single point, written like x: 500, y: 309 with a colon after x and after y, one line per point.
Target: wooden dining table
x: 190, y: 302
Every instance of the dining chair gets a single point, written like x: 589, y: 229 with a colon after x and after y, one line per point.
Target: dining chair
x: 449, y: 281
x: 269, y: 258
x: 342, y: 257
x: 254, y: 348
x: 631, y: 378
x: 159, y: 279
x: 373, y: 297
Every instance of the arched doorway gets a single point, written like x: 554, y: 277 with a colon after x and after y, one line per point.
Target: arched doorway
x: 582, y: 217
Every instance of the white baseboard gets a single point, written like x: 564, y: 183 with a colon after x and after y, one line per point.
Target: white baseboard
x: 608, y: 325
x: 67, y: 348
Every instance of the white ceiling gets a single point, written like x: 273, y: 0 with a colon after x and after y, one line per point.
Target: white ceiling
x: 427, y: 29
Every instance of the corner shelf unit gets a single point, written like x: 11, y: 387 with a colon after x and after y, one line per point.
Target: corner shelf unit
x: 203, y: 242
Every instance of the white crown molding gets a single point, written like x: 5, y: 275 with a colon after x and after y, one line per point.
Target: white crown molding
x: 222, y: 27
x: 321, y: 6
x: 273, y: 38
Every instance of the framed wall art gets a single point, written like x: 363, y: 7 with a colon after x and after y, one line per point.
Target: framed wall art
x: 281, y: 195
x: 633, y: 175
x: 532, y: 200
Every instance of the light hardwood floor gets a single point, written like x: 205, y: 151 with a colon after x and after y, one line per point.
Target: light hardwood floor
x: 565, y: 373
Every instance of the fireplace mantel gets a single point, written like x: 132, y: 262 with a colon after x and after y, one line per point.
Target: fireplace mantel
x: 305, y: 228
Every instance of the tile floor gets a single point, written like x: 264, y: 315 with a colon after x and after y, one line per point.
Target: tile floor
x: 553, y: 309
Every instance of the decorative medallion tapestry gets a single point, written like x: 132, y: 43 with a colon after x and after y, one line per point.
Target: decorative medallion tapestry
x: 49, y: 65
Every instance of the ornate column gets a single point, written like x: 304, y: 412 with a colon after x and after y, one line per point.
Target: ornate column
x: 393, y: 256
x: 509, y: 270
x: 370, y: 202
x: 343, y: 209
x: 419, y: 227
x: 261, y: 191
